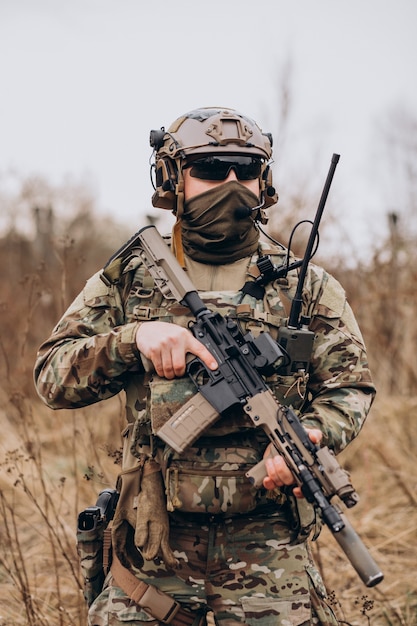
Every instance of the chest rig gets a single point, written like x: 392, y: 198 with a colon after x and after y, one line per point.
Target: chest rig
x: 209, y: 476
x: 143, y: 302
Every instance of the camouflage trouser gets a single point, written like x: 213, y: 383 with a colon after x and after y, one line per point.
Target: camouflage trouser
x: 243, y: 569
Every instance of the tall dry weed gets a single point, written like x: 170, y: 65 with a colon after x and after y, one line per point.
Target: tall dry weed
x: 49, y: 472
x: 53, y: 464
x: 382, y: 463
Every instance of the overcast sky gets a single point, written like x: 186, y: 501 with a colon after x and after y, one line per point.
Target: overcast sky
x: 83, y: 82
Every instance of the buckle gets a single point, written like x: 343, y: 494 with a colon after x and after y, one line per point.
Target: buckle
x: 142, y: 312
x: 159, y: 604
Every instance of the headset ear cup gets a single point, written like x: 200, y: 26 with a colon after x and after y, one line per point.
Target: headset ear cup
x: 166, y: 177
x: 269, y: 192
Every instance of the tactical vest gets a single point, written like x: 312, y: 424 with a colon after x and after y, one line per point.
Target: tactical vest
x: 209, y: 476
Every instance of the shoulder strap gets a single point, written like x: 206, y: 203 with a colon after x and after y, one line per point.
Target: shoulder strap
x: 112, y: 271
x: 153, y: 600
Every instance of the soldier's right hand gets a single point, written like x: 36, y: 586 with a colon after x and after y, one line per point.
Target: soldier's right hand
x: 166, y: 346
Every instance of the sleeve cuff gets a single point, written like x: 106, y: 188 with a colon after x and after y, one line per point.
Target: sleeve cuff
x: 126, y: 343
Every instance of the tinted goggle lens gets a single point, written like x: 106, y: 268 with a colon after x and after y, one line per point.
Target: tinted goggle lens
x: 218, y: 168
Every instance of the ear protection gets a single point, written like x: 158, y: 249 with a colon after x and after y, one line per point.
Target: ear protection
x: 270, y: 195
x: 166, y: 178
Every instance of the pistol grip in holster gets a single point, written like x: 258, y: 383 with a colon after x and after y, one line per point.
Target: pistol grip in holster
x: 94, y: 543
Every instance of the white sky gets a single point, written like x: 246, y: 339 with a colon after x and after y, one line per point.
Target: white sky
x: 83, y: 82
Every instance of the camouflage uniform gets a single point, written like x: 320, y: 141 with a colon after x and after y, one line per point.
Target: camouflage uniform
x: 242, y: 552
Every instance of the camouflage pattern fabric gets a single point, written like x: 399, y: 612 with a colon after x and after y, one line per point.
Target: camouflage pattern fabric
x: 249, y: 569
x: 91, y: 354
x: 90, y: 552
x: 244, y: 569
x: 209, y: 476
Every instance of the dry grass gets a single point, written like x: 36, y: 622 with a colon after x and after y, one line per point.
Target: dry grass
x: 55, y: 464
x: 382, y: 464
x: 52, y: 465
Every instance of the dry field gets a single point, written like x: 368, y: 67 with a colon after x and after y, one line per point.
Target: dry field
x: 54, y: 463
x: 382, y: 464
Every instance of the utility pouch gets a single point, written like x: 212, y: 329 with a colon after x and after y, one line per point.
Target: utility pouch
x: 91, y: 539
x: 290, y: 390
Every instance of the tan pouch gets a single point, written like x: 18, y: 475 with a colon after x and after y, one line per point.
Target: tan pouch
x: 210, y: 477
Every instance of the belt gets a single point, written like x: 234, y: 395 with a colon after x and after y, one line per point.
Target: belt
x: 154, y: 601
x: 269, y: 511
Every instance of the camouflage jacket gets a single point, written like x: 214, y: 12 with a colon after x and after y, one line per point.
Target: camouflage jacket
x: 91, y: 354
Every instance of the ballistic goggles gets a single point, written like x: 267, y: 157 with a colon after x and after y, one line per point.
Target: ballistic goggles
x: 218, y: 167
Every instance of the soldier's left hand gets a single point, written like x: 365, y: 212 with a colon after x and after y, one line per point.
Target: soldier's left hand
x: 279, y: 474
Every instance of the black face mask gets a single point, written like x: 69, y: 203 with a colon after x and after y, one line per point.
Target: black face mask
x: 211, y: 232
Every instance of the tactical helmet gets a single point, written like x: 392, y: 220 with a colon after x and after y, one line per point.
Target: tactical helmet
x: 206, y: 131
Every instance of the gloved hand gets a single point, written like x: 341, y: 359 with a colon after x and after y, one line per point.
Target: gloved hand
x: 152, y: 523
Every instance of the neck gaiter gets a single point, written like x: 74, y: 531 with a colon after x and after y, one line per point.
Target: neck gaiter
x: 211, y: 233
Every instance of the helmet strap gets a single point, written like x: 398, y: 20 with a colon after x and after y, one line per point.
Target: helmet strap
x: 179, y: 190
x: 177, y: 246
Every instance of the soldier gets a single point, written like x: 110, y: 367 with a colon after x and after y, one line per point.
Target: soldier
x: 193, y: 540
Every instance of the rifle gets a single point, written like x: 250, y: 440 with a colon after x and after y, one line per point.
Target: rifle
x: 238, y: 381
